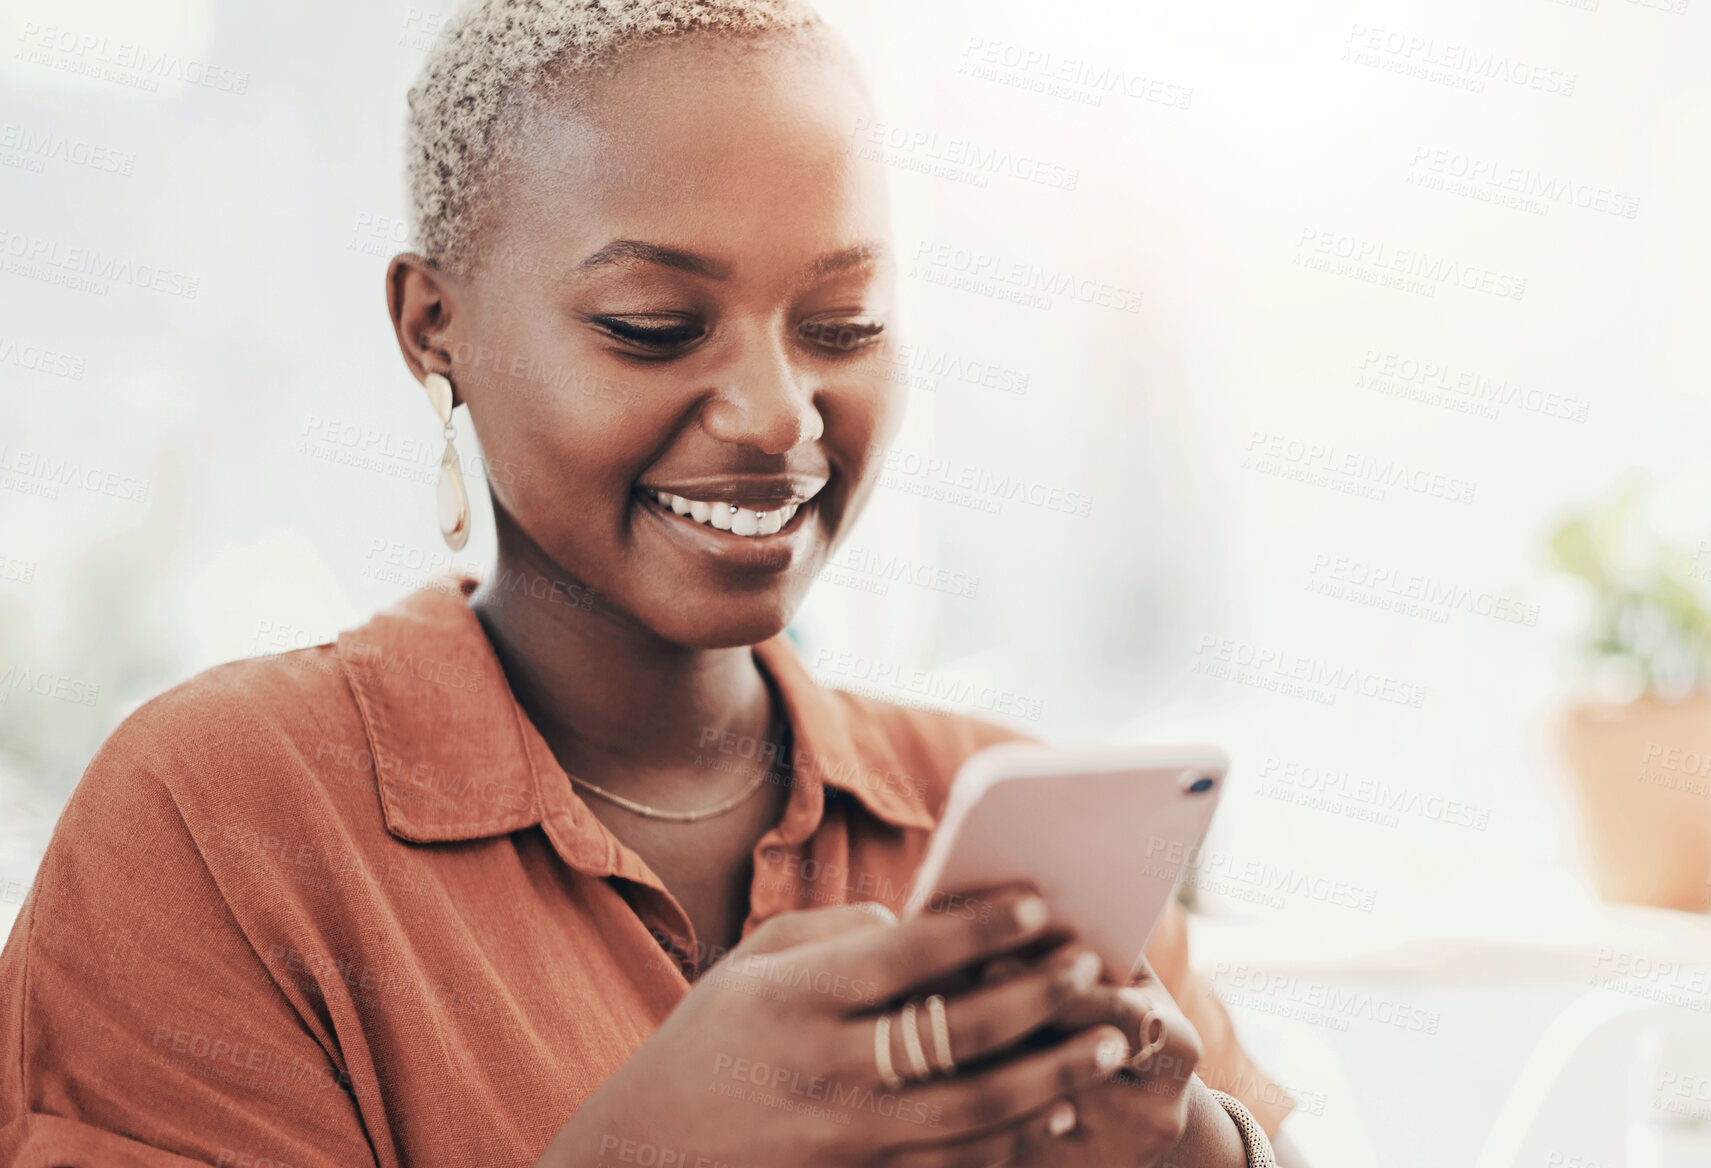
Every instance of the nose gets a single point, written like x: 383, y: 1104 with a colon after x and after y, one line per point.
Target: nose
x: 765, y: 401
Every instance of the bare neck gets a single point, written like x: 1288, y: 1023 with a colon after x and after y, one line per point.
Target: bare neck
x: 618, y: 706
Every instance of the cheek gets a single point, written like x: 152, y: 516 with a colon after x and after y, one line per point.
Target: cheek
x: 868, y: 416
x: 559, y: 452
x: 557, y: 431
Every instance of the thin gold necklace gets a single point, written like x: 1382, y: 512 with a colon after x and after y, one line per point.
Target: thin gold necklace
x: 695, y: 816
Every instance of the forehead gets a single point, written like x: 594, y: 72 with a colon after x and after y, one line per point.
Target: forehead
x: 741, y: 149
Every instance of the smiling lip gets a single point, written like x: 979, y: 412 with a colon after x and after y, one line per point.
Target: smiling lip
x: 749, y: 509
x: 755, y: 492
x: 766, y: 535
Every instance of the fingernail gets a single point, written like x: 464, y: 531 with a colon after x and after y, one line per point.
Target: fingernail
x: 1062, y: 1119
x: 1111, y: 1053
x: 1085, y: 971
x: 1031, y: 913
x: 881, y: 911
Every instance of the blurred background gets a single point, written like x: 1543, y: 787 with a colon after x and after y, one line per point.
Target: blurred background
x: 1327, y: 381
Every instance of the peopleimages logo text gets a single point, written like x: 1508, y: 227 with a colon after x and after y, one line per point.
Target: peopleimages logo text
x: 96, y: 264
x: 1358, y: 467
x: 154, y: 64
x: 1326, y: 249
x: 1431, y: 59
x: 1313, y: 671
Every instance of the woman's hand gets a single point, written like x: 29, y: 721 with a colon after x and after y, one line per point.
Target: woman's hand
x: 771, y: 1058
x: 1156, y: 1112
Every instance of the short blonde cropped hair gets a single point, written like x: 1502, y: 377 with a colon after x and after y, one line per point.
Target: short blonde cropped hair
x: 494, y: 52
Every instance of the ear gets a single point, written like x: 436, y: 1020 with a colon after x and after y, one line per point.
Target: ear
x: 422, y: 300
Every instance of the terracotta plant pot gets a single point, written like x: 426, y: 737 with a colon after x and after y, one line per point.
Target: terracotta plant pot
x: 1643, y: 774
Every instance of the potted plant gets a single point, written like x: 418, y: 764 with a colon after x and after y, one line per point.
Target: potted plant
x: 1638, y: 745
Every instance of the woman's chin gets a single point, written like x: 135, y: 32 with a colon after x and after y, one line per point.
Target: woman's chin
x: 725, y: 622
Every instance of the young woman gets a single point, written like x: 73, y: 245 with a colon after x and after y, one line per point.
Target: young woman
x: 577, y: 866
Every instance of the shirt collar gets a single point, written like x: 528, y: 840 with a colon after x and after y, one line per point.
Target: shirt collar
x: 834, y: 743
x: 456, y: 758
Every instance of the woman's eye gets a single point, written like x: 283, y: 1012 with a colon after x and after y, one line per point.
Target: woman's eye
x: 841, y: 336
x: 652, y: 332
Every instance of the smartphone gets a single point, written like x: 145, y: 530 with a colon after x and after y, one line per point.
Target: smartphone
x: 1104, y: 833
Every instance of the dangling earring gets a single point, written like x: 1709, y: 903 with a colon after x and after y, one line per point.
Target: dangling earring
x: 452, y: 499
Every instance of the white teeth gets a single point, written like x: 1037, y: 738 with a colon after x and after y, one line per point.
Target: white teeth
x: 728, y: 516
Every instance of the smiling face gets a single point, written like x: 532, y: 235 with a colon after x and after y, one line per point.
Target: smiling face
x: 671, y: 336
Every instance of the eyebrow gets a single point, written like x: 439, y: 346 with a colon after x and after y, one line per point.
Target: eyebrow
x: 845, y: 259
x: 621, y: 251
x: 635, y: 251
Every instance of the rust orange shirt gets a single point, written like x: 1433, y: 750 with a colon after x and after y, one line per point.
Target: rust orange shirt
x: 341, y: 907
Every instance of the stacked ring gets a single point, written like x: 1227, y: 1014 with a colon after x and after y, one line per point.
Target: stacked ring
x: 941, y: 1034
x: 914, y: 1050
x: 882, y: 1054
x: 912, y: 1043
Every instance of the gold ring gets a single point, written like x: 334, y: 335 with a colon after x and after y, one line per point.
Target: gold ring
x: 882, y: 1054
x: 912, y: 1043
x: 941, y: 1034
x: 1151, y: 1043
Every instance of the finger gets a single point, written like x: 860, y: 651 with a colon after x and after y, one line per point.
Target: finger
x: 790, y: 929
x: 993, y: 1016
x: 1020, y: 1144
x: 933, y: 945
x: 996, y: 1096
x: 1165, y: 1043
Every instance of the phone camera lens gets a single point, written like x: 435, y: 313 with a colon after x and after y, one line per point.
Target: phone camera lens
x: 1200, y: 786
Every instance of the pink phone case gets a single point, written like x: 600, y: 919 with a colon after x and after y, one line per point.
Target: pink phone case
x: 1103, y: 832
